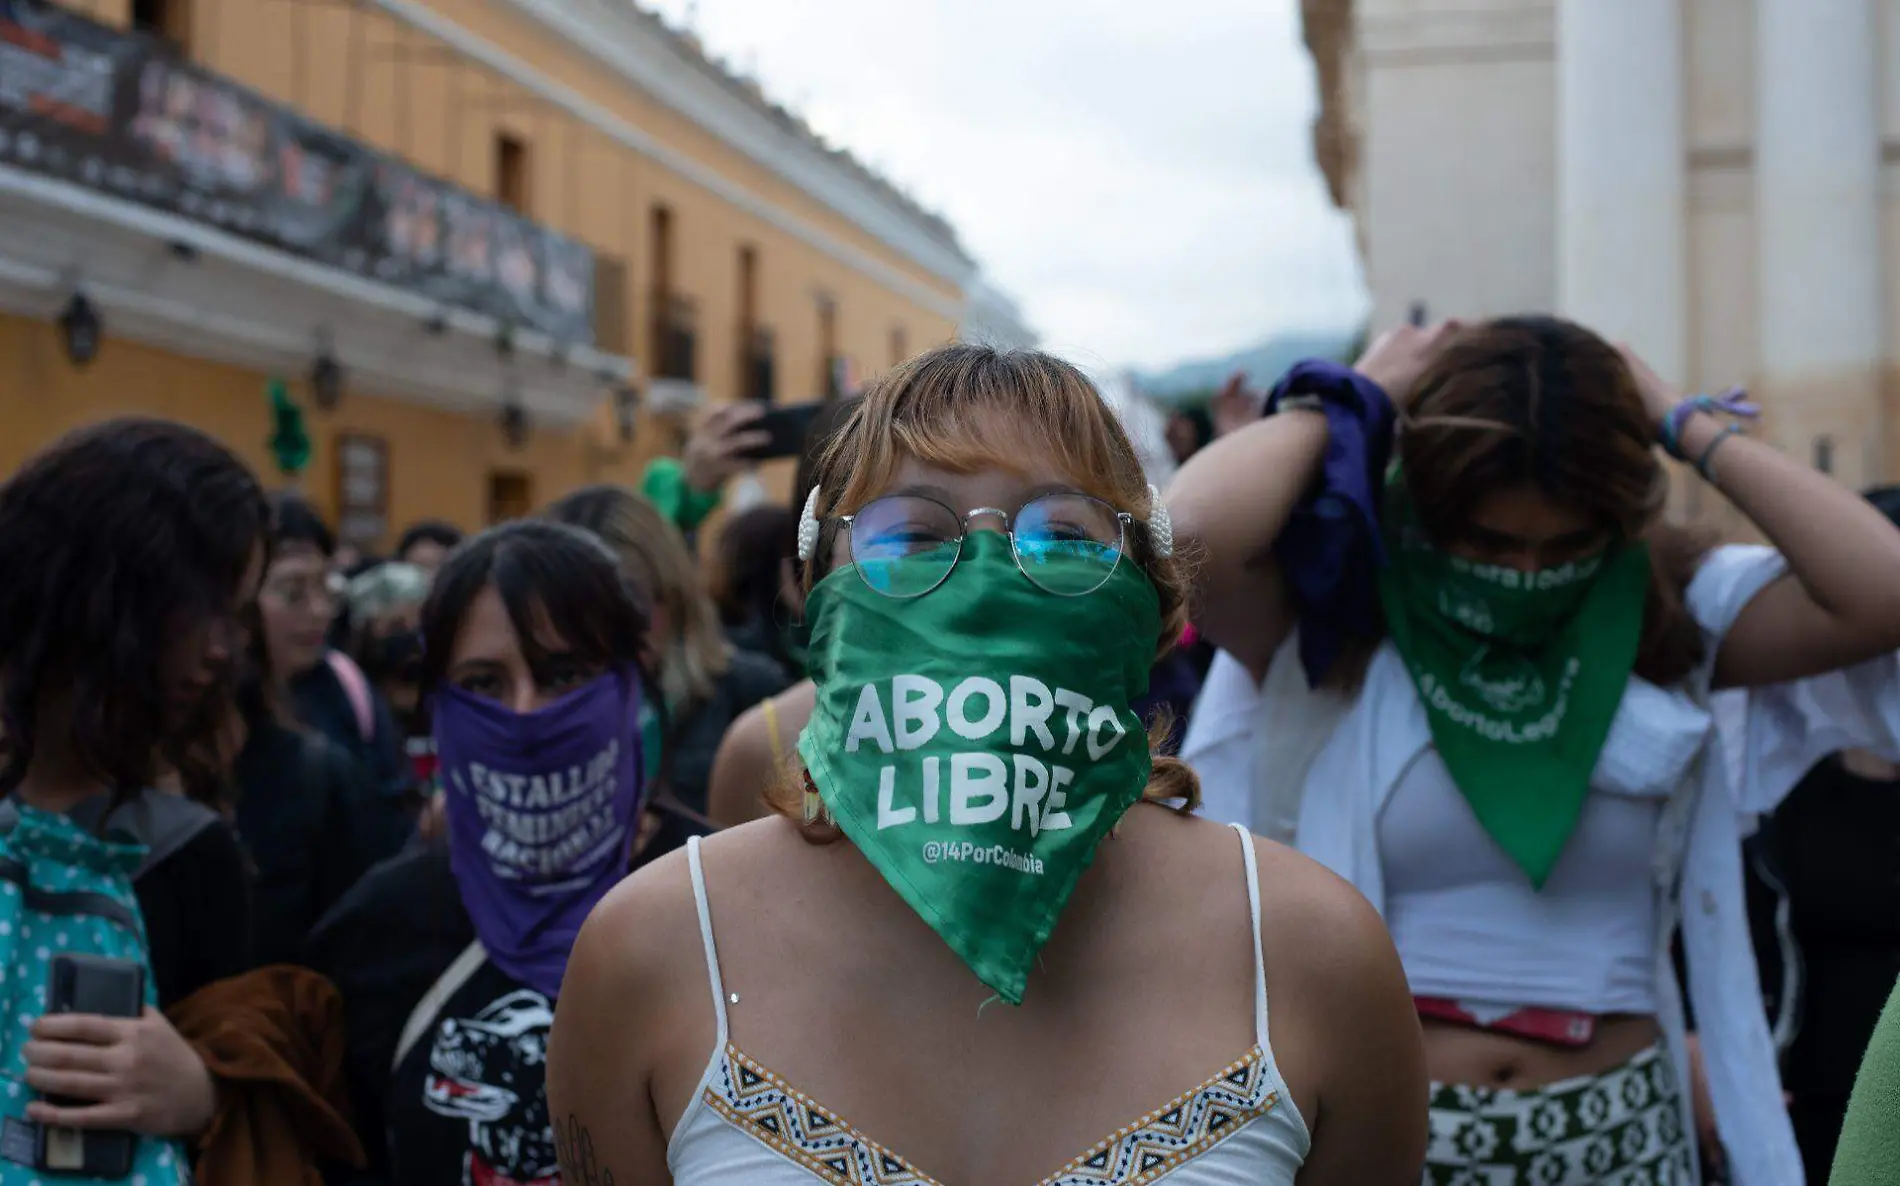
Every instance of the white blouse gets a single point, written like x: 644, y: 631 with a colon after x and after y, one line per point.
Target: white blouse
x: 1658, y: 742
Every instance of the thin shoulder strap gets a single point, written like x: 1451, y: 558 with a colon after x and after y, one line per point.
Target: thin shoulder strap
x: 432, y: 1003
x: 1259, y: 960
x: 770, y: 708
x: 706, y: 938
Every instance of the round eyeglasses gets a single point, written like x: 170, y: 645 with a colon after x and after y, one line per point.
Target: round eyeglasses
x: 904, y: 545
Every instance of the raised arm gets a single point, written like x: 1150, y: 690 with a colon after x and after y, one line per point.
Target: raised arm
x: 1232, y: 498
x: 1840, y: 602
x: 1229, y: 503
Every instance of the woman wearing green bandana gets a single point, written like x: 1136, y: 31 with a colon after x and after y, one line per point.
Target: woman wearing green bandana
x: 1513, y: 762
x: 983, y: 940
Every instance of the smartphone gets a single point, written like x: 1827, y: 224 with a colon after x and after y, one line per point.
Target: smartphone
x: 786, y: 429
x: 106, y: 988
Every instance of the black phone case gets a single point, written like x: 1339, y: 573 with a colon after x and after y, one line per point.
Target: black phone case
x: 787, y: 428
x: 108, y: 988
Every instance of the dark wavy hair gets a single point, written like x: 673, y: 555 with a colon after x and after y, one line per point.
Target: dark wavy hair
x: 121, y: 539
x: 1544, y: 402
x: 748, y: 568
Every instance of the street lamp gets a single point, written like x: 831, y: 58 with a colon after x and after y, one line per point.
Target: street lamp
x: 326, y: 380
x: 81, y: 330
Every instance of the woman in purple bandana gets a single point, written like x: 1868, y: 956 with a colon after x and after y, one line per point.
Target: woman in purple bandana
x: 450, y: 957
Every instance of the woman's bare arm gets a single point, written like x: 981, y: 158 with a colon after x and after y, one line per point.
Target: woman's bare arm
x: 625, y: 1007
x: 1840, y: 602
x: 1348, y: 996
x: 1231, y: 500
x: 1228, y: 504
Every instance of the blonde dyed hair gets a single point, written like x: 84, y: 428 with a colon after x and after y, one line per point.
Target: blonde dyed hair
x: 966, y: 408
x: 653, y: 555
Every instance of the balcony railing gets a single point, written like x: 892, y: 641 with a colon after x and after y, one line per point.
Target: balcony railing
x: 123, y: 115
x: 675, y: 338
x: 758, y: 364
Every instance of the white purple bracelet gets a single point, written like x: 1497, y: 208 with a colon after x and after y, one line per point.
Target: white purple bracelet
x: 1733, y: 402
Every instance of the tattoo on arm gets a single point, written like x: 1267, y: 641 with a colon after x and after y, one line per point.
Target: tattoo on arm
x: 574, y: 1146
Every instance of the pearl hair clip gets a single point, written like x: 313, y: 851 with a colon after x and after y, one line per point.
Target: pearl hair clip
x: 808, y: 528
x: 1160, y: 524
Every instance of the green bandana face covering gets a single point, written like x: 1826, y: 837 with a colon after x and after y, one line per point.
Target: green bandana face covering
x: 1521, y: 674
x: 976, y: 743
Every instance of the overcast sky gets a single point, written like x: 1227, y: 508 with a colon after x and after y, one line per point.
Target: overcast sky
x: 1137, y: 174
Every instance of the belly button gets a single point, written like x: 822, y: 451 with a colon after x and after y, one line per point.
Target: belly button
x: 1506, y: 1075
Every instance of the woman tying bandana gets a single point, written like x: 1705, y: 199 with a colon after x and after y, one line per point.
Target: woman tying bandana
x: 974, y: 946
x: 1502, y: 671
x: 450, y: 958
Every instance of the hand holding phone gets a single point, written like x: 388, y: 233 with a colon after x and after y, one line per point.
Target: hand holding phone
x: 716, y: 450
x: 82, y: 987
x: 111, y: 1075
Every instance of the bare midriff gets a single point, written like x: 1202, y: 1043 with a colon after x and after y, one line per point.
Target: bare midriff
x: 1457, y: 1053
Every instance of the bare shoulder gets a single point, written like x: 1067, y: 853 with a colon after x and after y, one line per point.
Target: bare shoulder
x: 749, y: 732
x: 641, y: 930
x: 651, y: 918
x: 1355, y: 1041
x: 742, y: 770
x: 1305, y: 908
x: 1308, y: 908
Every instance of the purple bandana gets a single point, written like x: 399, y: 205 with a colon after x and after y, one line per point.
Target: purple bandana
x: 541, y: 810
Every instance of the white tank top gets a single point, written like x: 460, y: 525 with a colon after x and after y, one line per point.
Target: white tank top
x: 749, y: 1127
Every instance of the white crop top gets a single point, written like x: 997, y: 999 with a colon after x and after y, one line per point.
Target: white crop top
x: 748, y: 1127
x: 1469, y: 927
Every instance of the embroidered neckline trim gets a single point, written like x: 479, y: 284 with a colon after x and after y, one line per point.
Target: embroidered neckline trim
x: 764, y: 1106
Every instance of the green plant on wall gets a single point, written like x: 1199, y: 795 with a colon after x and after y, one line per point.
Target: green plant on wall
x: 289, y: 440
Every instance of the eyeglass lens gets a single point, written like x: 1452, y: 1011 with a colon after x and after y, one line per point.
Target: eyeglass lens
x: 906, y: 545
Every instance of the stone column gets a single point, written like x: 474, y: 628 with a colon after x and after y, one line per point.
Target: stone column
x: 1621, y: 175
x: 1817, y: 225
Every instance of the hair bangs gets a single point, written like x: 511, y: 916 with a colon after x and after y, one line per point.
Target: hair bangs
x: 966, y: 409
x: 561, y: 588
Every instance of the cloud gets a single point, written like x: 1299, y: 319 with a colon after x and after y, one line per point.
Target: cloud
x: 1137, y: 175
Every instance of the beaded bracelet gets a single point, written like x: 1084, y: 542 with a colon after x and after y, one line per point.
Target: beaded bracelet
x: 1733, y: 402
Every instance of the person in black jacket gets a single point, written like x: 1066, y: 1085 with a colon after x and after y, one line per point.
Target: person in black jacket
x: 309, y: 817
x: 1823, y: 880
x: 313, y: 685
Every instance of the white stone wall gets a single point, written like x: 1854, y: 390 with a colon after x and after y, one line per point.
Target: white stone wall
x: 1460, y: 193
x: 1455, y: 102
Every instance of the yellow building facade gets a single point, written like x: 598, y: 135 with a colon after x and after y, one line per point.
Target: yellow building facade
x: 730, y: 253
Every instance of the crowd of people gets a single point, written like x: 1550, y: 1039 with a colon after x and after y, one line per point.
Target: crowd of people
x: 959, y: 819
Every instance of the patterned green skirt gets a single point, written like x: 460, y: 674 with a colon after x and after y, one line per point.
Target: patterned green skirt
x: 1620, y: 1128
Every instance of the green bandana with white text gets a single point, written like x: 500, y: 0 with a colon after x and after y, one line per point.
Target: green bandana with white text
x: 1520, y: 674
x: 977, y: 742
